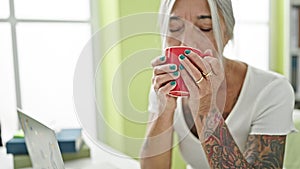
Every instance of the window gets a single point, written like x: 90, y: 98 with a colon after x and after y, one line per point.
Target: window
x: 46, y: 67
x: 65, y: 10
x: 251, y: 33
x: 40, y: 43
x: 4, y: 9
x: 8, y: 118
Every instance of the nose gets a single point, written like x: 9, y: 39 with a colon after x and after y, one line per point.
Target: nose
x: 189, y: 37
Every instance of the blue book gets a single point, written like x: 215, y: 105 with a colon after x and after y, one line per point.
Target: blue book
x: 69, y: 141
x: 16, y: 146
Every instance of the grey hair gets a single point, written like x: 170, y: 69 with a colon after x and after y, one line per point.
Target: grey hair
x: 216, y: 6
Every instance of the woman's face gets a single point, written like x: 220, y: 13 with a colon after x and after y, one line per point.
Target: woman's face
x: 190, y: 21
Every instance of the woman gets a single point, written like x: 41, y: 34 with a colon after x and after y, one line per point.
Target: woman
x: 246, y: 129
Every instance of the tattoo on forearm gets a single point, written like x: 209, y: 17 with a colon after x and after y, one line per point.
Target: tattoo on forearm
x: 262, y: 151
x: 265, y: 151
x: 210, y: 122
x: 222, y: 151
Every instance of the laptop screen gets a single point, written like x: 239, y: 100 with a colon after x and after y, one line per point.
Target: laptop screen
x: 41, y: 143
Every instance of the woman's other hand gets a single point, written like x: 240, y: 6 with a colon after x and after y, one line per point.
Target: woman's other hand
x: 163, y: 81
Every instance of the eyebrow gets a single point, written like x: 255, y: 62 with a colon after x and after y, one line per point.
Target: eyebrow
x: 198, y: 17
x: 174, y: 18
x: 204, y: 17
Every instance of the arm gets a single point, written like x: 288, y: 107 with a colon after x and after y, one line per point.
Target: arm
x: 265, y: 151
x: 219, y: 146
x: 157, y: 149
x: 261, y: 151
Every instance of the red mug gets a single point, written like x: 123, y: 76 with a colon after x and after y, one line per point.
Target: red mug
x: 172, y: 54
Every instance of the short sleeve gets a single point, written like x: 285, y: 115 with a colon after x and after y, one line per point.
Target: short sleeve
x: 274, y: 109
x: 152, y: 106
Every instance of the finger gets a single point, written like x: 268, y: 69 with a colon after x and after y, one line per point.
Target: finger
x: 167, y: 88
x: 160, y: 80
x: 166, y: 68
x: 215, y: 65
x: 158, y: 61
x: 188, y: 81
x: 191, y: 69
x: 198, y: 61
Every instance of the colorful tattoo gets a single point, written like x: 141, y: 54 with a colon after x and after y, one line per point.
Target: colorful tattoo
x: 210, y: 122
x: 265, y: 151
x: 222, y: 151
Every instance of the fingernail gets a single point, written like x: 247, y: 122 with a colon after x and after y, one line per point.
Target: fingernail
x: 187, y: 51
x: 173, y: 67
x: 175, y: 73
x: 162, y: 58
x: 181, y: 67
x: 181, y: 56
x: 173, y: 83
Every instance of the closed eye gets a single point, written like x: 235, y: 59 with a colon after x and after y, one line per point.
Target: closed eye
x: 173, y: 30
x: 176, y: 24
x: 206, y: 29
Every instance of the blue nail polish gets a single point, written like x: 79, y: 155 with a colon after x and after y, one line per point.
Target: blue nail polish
x: 181, y: 67
x: 187, y: 51
x: 181, y: 56
x: 173, y: 67
x: 162, y: 58
x: 173, y: 83
x: 175, y: 73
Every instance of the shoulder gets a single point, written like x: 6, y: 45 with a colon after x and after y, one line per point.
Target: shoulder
x: 269, y: 81
x: 274, y: 103
x: 265, y: 76
x: 273, y: 89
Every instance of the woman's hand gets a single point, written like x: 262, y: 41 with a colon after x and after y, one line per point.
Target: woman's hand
x: 203, y: 76
x: 163, y: 81
x: 157, y: 148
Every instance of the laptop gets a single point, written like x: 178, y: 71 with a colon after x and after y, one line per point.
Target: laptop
x: 42, y: 145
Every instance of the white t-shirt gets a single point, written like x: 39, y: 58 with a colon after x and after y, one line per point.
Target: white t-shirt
x: 264, y: 107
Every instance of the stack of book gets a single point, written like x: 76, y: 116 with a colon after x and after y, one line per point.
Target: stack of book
x: 70, y: 143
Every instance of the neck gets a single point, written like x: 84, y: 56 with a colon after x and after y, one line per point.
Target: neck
x: 228, y: 67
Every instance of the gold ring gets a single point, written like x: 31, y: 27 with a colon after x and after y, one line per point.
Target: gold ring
x: 207, y: 74
x: 200, y: 80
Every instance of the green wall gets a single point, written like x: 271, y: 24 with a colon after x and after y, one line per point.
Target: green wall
x: 278, y: 42
x: 133, y: 95
x: 108, y: 13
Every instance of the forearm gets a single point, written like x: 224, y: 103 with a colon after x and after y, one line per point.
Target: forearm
x: 219, y: 146
x: 222, y: 151
x: 161, y: 160
x: 261, y: 151
x: 157, y: 149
